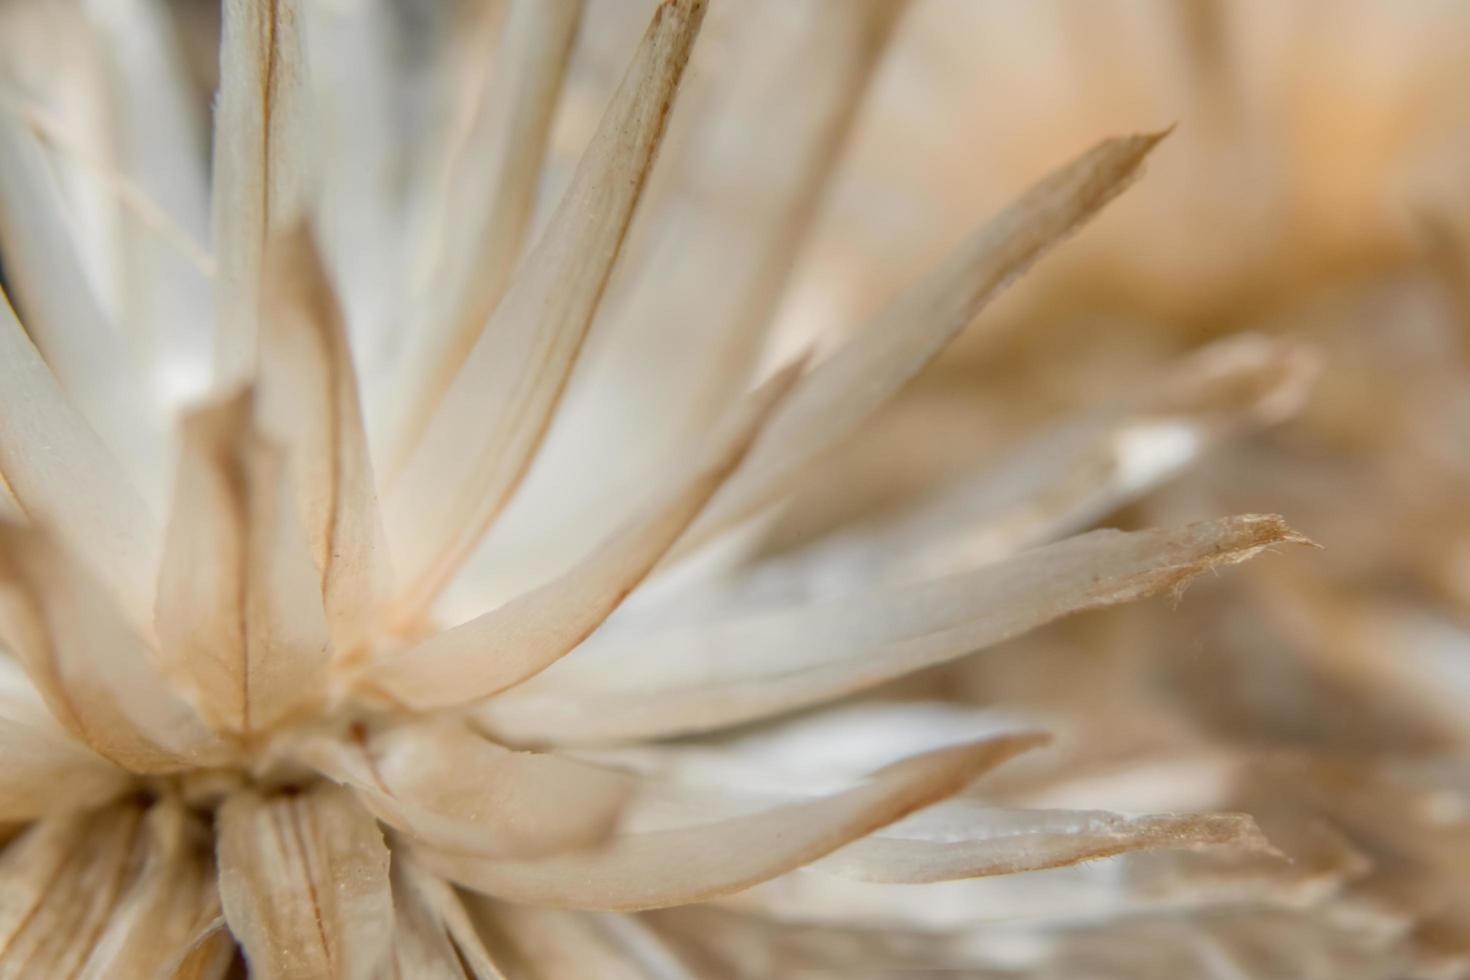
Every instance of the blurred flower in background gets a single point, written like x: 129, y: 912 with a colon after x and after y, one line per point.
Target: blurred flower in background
x: 1272, y: 321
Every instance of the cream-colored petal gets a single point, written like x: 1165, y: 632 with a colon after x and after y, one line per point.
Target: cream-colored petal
x: 62, y: 313
x: 209, y: 955
x: 478, y: 444
x: 483, y: 208
x: 304, y: 882
x: 260, y: 179
x: 450, y: 787
x: 308, y: 403
x: 752, y: 144
x: 240, y: 616
x: 842, y: 390
x: 61, y: 474
x: 60, y: 885
x: 43, y: 769
x: 434, y: 936
x: 555, y: 944
x: 965, y: 838
x: 157, y: 921
x: 97, y: 673
x: 529, y: 633
x: 1061, y: 481
x: 722, y: 673
x: 687, y: 864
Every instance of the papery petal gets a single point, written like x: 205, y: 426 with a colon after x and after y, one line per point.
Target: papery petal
x: 260, y: 178
x: 59, y: 473
x: 968, y: 839
x: 308, y: 403
x: 97, y: 673
x: 716, y: 674
x: 61, y: 883
x: 240, y: 616
x: 43, y: 769
x: 526, y: 635
x: 669, y: 867
x: 446, y: 785
x: 476, y: 448
x: 433, y: 934
x: 483, y: 208
x: 842, y: 390
x: 304, y: 882
x: 156, y: 923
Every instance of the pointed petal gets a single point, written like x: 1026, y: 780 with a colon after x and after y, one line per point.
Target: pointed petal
x: 484, y: 206
x: 670, y: 867
x: 967, y: 839
x: 97, y: 674
x: 240, y: 617
x: 433, y: 934
x: 842, y: 390
x: 158, y: 919
x: 713, y: 675
x: 304, y: 882
x: 261, y: 129
x: 478, y: 444
x: 308, y: 403
x: 60, y: 474
x: 448, y: 786
x: 43, y: 770
x: 529, y: 633
x: 60, y: 884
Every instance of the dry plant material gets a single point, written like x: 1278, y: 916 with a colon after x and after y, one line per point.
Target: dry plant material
x: 235, y: 715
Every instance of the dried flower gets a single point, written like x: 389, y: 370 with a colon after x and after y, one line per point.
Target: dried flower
x: 242, y: 723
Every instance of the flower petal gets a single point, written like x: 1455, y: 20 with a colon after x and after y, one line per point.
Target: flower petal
x: 842, y: 390
x: 965, y: 838
x: 59, y: 473
x: 240, y: 616
x: 450, y: 787
x: 482, y: 212
x: 43, y: 770
x: 158, y: 920
x: 555, y: 944
x: 713, y: 675
x: 433, y: 934
x: 97, y: 674
x: 261, y: 128
x: 304, y: 883
x: 526, y: 635
x: 60, y: 884
x: 308, y: 403
x: 477, y: 446
x: 670, y: 867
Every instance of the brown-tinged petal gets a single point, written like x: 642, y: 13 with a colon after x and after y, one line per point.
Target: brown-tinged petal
x: 308, y: 402
x: 261, y: 133
x: 965, y: 838
x: 60, y: 885
x: 240, y: 616
x: 209, y: 954
x: 529, y: 633
x: 43, y: 769
x: 61, y: 310
x: 715, y: 674
x: 482, y: 210
x: 59, y: 473
x: 687, y: 864
x: 556, y: 944
x: 158, y: 920
x: 433, y: 934
x: 98, y: 675
x: 304, y: 882
x: 842, y: 390
x: 478, y: 444
x: 449, y: 786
